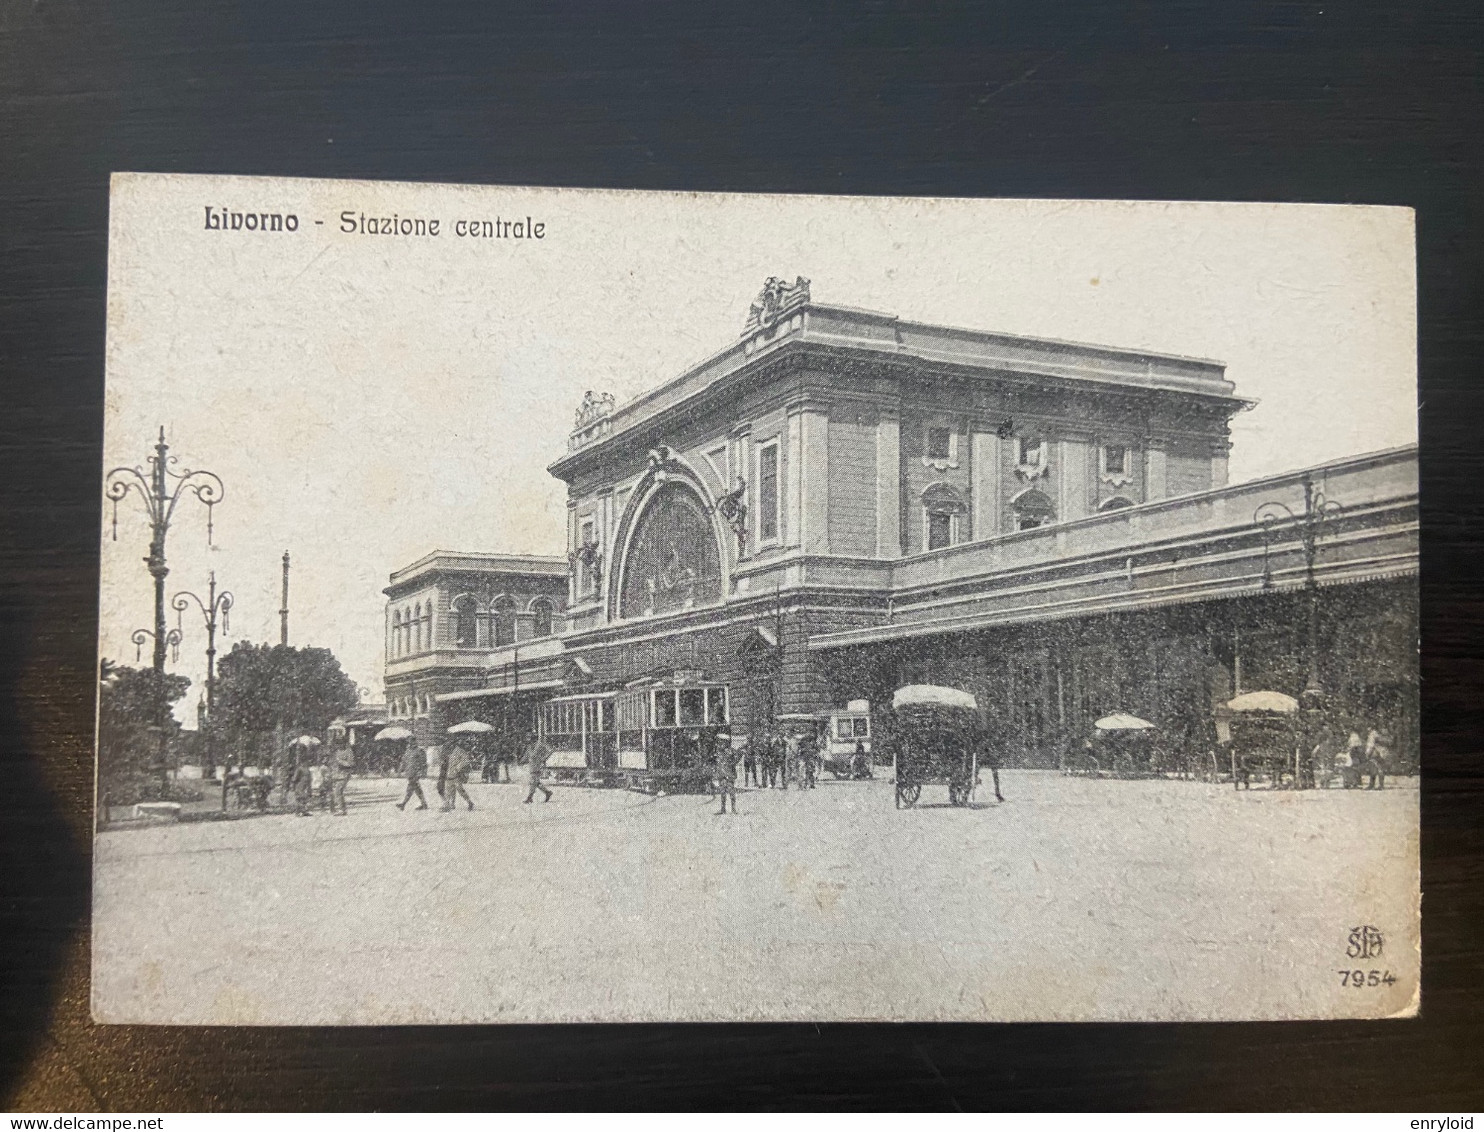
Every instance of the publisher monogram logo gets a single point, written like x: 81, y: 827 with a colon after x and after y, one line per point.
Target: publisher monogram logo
x: 1365, y: 942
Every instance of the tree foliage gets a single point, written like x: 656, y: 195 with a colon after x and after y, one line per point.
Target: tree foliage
x: 132, y: 703
x: 260, y: 686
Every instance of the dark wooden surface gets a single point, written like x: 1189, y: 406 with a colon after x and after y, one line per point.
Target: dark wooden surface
x: 1374, y: 102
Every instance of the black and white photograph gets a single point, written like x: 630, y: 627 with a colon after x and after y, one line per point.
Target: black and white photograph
x: 557, y: 605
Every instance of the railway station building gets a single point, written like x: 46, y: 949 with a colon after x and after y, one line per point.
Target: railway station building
x: 840, y: 501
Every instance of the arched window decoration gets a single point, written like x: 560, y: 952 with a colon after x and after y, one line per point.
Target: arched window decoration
x: 502, y: 621
x: 942, y: 511
x: 396, y: 632
x: 465, y: 623
x: 1032, y: 509
x: 406, y: 629
x: 1116, y: 503
x: 541, y: 613
x: 417, y: 627
x: 673, y: 561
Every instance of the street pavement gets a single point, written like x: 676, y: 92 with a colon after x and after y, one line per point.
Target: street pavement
x: 1075, y: 899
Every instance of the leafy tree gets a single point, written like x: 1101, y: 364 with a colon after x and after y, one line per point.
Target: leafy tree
x: 132, y: 704
x: 259, y: 687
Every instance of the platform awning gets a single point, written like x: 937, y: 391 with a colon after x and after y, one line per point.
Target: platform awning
x: 480, y: 693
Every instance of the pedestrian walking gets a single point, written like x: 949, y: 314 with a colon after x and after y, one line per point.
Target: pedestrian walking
x: 808, y: 761
x: 749, y: 763
x: 726, y: 773
x: 1377, y: 757
x: 414, y: 765
x: 791, y: 760
x: 459, y: 765
x: 303, y: 779
x: 342, y: 762
x: 536, y: 755
x: 438, y: 756
x: 860, y: 763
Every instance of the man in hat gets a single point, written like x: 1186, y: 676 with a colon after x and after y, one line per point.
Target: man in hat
x: 460, y: 764
x: 413, y: 766
x: 726, y: 772
x: 341, y: 762
x: 536, y: 755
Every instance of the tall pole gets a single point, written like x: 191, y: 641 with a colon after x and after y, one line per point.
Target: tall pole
x: 160, y: 489
x: 1309, y: 525
x: 216, y: 604
x: 283, y: 608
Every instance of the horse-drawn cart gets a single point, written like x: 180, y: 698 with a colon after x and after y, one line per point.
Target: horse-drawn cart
x: 1265, y: 738
x: 934, y: 743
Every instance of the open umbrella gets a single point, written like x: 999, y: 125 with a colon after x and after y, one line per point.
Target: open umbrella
x: 1264, y: 701
x: 305, y: 741
x: 394, y: 733
x: 470, y: 726
x: 1122, y: 721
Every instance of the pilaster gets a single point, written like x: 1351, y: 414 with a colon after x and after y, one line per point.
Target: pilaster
x: 889, y: 485
x: 984, y: 468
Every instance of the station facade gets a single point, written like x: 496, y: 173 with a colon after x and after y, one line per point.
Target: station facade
x: 842, y: 501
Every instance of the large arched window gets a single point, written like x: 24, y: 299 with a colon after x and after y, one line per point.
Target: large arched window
x: 417, y: 627
x: 502, y: 621
x: 465, y: 622
x: 541, y: 611
x: 1032, y: 509
x: 673, y: 561
x: 396, y: 632
x: 406, y: 629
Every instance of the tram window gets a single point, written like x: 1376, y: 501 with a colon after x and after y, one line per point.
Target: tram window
x: 716, y: 705
x: 693, y: 706
x: 862, y: 728
x: 664, y: 709
x: 607, y: 707
x: 843, y: 728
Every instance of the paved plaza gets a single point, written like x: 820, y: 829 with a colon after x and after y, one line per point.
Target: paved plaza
x: 1076, y: 898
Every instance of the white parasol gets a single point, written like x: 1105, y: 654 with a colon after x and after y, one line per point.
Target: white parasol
x: 305, y: 741
x: 394, y: 733
x: 917, y: 695
x: 1264, y: 701
x: 470, y: 726
x: 1122, y: 721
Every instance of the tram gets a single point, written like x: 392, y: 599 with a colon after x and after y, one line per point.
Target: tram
x: 582, y: 733
x: 656, y: 735
x: 846, y: 729
x: 667, y: 733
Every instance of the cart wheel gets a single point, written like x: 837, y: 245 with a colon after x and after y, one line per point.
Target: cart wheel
x: 909, y: 794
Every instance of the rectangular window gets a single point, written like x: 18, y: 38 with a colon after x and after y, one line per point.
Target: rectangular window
x: 693, y: 706
x: 940, y: 530
x: 940, y: 444
x: 862, y: 728
x: 1032, y: 451
x: 716, y: 705
x: 1115, y: 459
x: 767, y: 492
x: 664, y: 709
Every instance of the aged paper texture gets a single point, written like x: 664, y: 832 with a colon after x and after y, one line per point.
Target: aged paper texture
x: 552, y: 605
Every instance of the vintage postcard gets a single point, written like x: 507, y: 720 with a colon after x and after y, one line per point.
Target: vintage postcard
x: 547, y: 605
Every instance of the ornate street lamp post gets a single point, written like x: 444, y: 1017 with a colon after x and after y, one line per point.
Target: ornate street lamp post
x: 1309, y: 525
x: 216, y: 604
x: 160, y: 489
